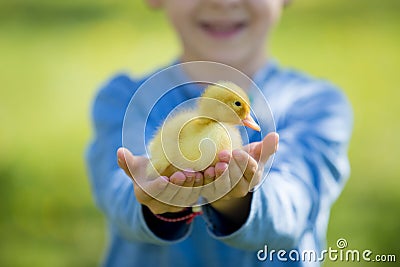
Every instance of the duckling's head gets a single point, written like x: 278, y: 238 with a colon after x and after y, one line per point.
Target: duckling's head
x: 227, y: 102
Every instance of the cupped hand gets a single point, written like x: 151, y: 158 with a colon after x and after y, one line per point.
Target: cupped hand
x: 232, y: 177
x: 238, y: 172
x: 160, y: 194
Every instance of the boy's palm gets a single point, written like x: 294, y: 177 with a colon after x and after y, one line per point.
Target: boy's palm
x: 155, y: 192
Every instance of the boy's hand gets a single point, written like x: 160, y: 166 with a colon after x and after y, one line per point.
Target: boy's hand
x: 236, y: 173
x: 242, y: 170
x: 155, y: 192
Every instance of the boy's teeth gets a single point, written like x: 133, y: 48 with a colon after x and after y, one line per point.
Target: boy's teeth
x: 221, y: 28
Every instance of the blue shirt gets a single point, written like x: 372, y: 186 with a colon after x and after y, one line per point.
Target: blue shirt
x: 289, y: 211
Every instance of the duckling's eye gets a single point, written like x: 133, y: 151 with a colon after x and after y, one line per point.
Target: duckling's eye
x: 237, y: 103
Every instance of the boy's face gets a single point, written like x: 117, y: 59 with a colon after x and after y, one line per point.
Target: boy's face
x: 233, y: 32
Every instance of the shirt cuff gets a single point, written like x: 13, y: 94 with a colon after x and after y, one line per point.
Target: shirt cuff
x: 221, y: 229
x: 162, y: 231
x: 217, y: 223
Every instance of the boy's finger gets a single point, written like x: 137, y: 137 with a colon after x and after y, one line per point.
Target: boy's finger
x: 261, y: 151
x: 222, y: 183
x: 130, y: 163
x: 121, y: 160
x: 246, y: 163
x: 197, y: 187
x: 126, y: 161
x: 170, y: 191
x: 269, y: 146
x: 178, y: 178
x: 224, y: 156
x: 235, y: 173
x: 184, y: 196
x: 198, y: 179
x: 151, y: 189
x: 209, y: 175
x: 190, y: 177
x: 220, y: 168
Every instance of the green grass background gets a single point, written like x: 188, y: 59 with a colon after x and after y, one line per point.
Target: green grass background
x: 55, y: 54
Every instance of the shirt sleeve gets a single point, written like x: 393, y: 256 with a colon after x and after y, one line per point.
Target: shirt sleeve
x: 112, y: 188
x: 308, y: 173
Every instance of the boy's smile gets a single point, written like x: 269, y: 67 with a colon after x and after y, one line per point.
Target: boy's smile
x: 233, y: 32
x: 222, y: 29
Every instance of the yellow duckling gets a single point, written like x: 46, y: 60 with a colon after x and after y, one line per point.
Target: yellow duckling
x: 191, y: 139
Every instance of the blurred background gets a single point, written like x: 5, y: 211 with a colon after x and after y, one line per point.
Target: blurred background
x: 54, y: 55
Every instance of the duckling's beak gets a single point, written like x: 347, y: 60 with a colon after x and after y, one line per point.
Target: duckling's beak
x: 249, y: 122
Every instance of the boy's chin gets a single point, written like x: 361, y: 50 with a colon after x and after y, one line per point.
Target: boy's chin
x: 233, y: 61
x: 224, y: 57
x: 242, y: 60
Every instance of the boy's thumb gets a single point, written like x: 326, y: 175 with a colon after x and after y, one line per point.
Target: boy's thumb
x: 268, y: 146
x: 126, y: 160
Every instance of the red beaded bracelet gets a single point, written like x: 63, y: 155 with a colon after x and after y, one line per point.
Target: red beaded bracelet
x: 196, y: 211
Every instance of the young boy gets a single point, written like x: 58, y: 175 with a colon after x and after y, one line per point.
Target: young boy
x: 289, y: 211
